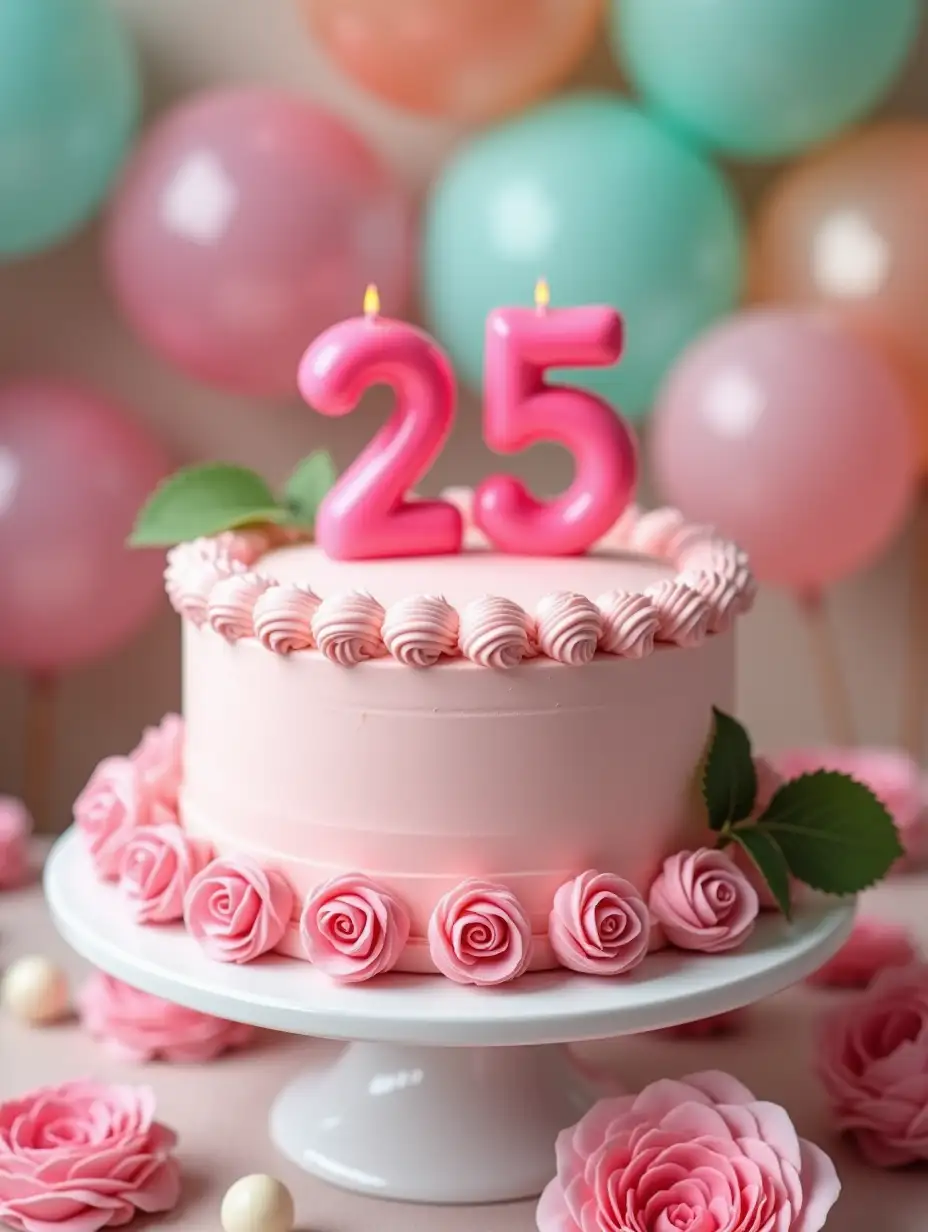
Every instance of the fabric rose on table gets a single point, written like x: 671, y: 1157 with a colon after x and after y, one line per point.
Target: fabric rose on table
x: 158, y: 864
x: 353, y: 929
x: 139, y: 1027
x: 480, y: 934
x: 159, y: 756
x: 237, y: 910
x: 84, y: 1156
x: 700, y: 1154
x: 873, y: 1062
x: 117, y: 801
x: 872, y: 946
x: 15, y: 828
x: 702, y: 901
x: 599, y: 924
x: 894, y: 777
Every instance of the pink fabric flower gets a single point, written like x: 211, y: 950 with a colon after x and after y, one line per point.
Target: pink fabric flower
x: 872, y: 946
x: 159, y: 756
x: 116, y: 802
x: 84, y: 1156
x: 237, y: 910
x: 716, y: 1025
x: 15, y: 828
x: 140, y: 1027
x: 599, y: 924
x: 873, y: 1062
x: 697, y: 1155
x: 352, y: 929
x: 703, y: 901
x: 892, y: 776
x: 158, y: 865
x: 479, y: 934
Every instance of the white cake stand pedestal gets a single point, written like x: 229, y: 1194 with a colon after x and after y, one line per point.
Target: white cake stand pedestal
x: 447, y: 1094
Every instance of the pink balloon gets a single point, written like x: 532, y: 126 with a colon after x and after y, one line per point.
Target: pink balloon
x: 247, y: 222
x: 73, y: 472
x: 794, y: 438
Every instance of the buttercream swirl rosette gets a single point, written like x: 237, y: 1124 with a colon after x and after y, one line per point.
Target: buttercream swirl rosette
x: 479, y: 933
x: 158, y: 865
x: 702, y: 901
x: 698, y: 1153
x: 237, y: 910
x: 84, y: 1156
x: 353, y: 929
x: 599, y: 925
x: 118, y: 800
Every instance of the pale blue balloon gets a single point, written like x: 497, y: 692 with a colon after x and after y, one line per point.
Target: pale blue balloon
x: 69, y: 105
x: 596, y: 197
x: 763, y: 78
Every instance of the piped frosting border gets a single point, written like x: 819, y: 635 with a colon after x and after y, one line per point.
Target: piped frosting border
x: 218, y: 582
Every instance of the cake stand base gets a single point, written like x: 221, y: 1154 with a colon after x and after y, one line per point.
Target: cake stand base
x: 453, y: 1094
x: 436, y: 1125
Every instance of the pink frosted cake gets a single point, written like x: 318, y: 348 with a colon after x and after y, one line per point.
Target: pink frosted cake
x: 416, y: 776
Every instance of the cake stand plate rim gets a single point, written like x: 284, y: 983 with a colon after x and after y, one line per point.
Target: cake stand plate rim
x: 288, y: 995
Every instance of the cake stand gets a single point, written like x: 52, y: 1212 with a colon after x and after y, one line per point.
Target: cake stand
x: 446, y: 1094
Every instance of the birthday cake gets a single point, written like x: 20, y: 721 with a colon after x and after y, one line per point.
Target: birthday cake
x: 476, y: 736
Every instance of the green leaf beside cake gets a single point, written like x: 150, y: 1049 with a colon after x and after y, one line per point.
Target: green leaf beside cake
x: 823, y: 829
x: 209, y: 499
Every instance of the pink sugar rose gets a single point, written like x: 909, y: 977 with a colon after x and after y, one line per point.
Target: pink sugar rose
x: 892, y: 776
x: 116, y: 802
x: 15, y: 828
x: 84, y: 1156
x: 703, y: 901
x: 158, y: 865
x: 139, y: 1027
x: 237, y: 910
x: 873, y: 1062
x: 599, y: 924
x: 696, y: 1155
x: 872, y: 946
x: 159, y: 756
x: 479, y: 934
x: 353, y: 929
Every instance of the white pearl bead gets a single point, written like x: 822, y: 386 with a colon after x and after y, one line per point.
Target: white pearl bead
x: 35, y: 990
x: 258, y: 1204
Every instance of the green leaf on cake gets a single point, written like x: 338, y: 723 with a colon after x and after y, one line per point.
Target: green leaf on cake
x: 204, y: 500
x: 834, y: 833
x: 729, y: 781
x: 768, y: 858
x: 306, y: 487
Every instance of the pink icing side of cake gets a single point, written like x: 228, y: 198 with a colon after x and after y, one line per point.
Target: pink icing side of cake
x: 421, y: 779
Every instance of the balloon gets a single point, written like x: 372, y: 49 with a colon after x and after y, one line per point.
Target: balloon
x: 849, y: 228
x: 247, y: 222
x: 69, y: 104
x: 791, y: 436
x: 595, y: 196
x: 73, y: 473
x: 471, y: 60
x: 763, y: 78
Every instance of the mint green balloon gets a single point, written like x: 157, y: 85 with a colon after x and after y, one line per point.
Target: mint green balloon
x: 69, y: 105
x: 596, y: 197
x: 763, y: 78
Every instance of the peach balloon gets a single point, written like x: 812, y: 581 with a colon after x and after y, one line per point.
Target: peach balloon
x: 468, y: 60
x: 848, y: 228
x: 789, y: 434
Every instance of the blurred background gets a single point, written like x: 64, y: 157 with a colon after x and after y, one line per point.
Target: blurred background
x: 174, y: 227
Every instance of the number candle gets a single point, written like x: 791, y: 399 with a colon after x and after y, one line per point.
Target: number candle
x: 520, y: 409
x: 366, y: 513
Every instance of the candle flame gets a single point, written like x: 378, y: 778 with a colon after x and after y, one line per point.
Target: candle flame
x: 542, y: 293
x: 371, y: 301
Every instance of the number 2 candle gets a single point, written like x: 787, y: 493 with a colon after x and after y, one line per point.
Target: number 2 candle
x: 521, y: 409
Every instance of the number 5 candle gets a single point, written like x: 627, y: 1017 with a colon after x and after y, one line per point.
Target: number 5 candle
x: 521, y: 409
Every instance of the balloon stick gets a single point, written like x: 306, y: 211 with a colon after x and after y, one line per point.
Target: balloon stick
x: 41, y: 697
x: 915, y: 662
x: 836, y: 701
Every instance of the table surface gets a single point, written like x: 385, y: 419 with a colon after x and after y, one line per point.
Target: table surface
x: 772, y: 1056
